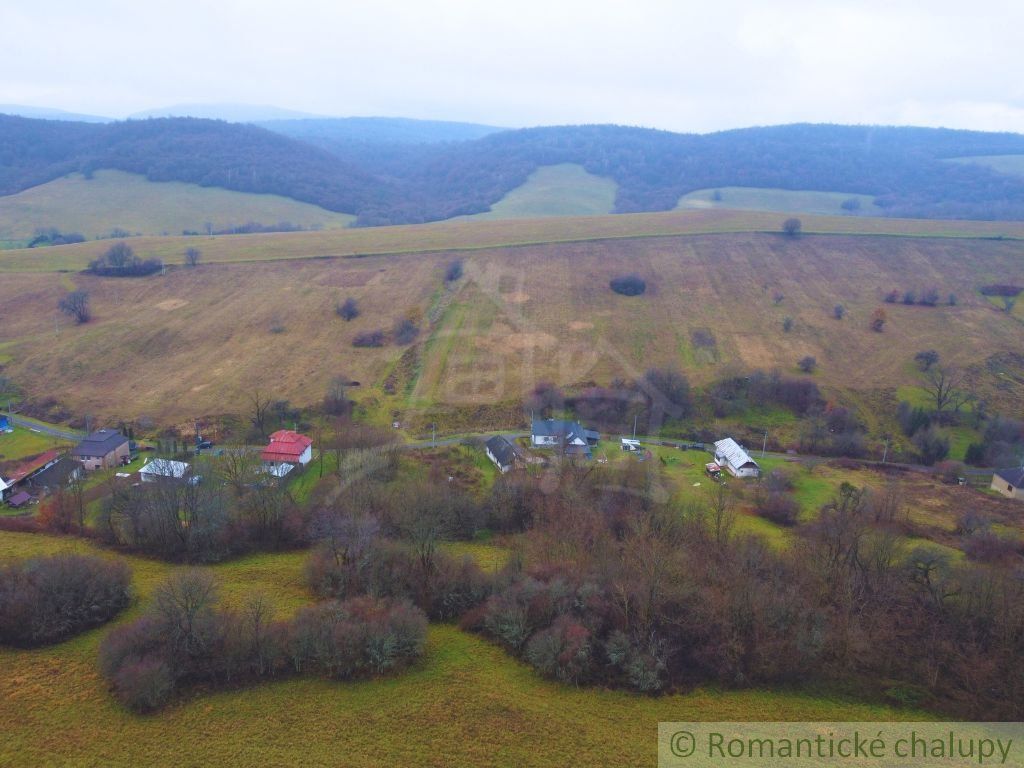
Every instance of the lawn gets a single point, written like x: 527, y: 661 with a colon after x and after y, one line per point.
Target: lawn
x: 26, y: 442
x: 467, y: 703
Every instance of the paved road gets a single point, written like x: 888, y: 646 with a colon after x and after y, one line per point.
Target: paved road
x: 63, y: 433
x: 457, y: 440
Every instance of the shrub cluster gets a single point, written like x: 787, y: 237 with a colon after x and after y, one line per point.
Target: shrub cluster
x: 735, y: 394
x: 120, y: 261
x: 628, y: 285
x: 376, y: 338
x: 48, y: 599
x: 444, y: 589
x: 925, y: 298
x: 187, y: 639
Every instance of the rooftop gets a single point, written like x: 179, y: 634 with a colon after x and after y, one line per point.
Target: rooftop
x: 1014, y: 476
x: 99, y: 443
x: 502, y: 449
x: 286, y: 445
x: 733, y: 452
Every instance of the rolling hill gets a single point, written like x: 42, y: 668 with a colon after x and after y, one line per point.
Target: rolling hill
x: 555, y: 190
x: 210, y: 153
x: 112, y: 200
x: 197, y: 341
x: 388, y: 171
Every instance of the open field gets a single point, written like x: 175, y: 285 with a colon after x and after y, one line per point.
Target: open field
x: 24, y: 442
x: 478, y: 235
x: 779, y: 200
x: 199, y: 342
x: 555, y: 190
x: 113, y: 199
x: 1012, y: 165
x: 467, y: 702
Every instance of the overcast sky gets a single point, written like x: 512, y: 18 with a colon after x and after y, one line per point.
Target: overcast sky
x: 685, y: 66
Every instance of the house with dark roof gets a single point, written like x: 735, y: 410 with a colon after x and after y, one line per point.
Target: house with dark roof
x: 103, y: 449
x: 502, y: 452
x: 550, y: 432
x: 1009, y: 482
x: 56, y: 475
x: 288, y: 447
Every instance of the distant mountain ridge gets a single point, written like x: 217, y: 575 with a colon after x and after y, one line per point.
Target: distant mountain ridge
x: 232, y: 113
x: 48, y: 113
x: 392, y: 170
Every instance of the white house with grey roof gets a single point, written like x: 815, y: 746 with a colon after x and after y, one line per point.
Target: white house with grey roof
x: 1009, y: 482
x: 570, y: 436
x: 502, y: 452
x: 164, y: 469
x: 731, y: 456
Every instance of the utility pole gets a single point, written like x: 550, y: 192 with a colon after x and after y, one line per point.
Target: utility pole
x: 885, y: 453
x: 433, y: 435
x: 764, y: 445
x: 634, y: 425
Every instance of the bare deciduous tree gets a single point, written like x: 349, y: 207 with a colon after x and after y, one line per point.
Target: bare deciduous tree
x: 259, y: 406
x: 192, y: 256
x: 76, y: 305
x: 947, y: 387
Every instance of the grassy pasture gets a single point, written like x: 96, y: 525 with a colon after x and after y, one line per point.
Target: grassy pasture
x: 555, y: 190
x: 114, y: 199
x: 778, y: 200
x: 24, y: 442
x: 467, y: 703
x: 475, y: 235
x: 197, y: 341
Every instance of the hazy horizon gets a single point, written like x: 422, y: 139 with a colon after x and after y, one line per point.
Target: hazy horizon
x: 656, y: 64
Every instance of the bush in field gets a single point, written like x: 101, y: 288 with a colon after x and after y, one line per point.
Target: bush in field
x: 348, y: 309
x: 346, y: 565
x: 369, y: 339
x: 48, y: 599
x: 120, y: 261
x: 628, y: 285
x: 453, y: 271
x: 405, y: 331
x: 187, y: 638
x: 781, y: 508
x: 563, y: 651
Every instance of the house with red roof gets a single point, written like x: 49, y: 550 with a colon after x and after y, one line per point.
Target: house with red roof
x: 18, y: 474
x: 288, y: 447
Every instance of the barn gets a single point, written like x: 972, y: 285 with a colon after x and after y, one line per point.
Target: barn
x: 733, y: 458
x: 502, y: 452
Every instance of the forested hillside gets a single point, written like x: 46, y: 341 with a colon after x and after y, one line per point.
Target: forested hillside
x: 388, y: 171
x: 206, y: 152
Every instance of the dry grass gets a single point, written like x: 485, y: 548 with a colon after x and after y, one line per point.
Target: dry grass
x: 474, y: 235
x: 196, y: 342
